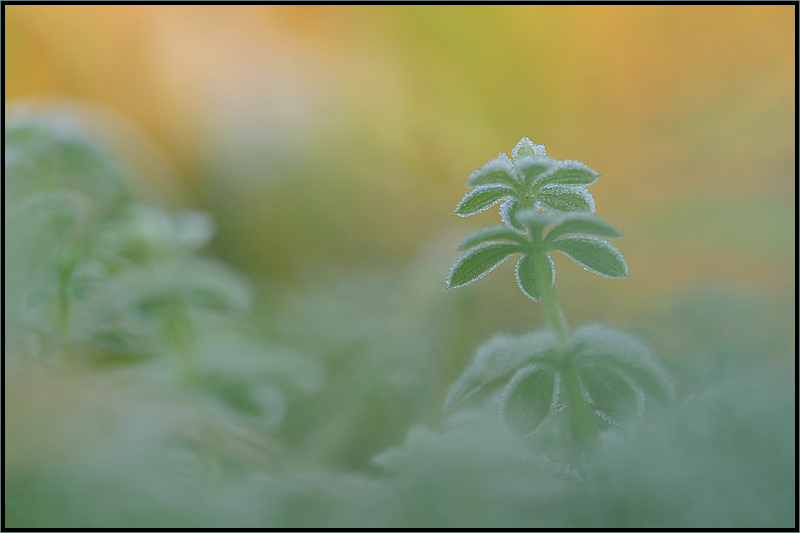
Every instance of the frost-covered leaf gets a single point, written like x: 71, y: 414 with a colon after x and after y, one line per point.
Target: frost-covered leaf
x: 528, y: 398
x: 527, y: 280
x: 565, y: 198
x: 582, y: 223
x: 535, y: 221
x: 490, y: 233
x: 533, y: 168
x: 612, y: 394
x: 596, y: 255
x: 478, y: 262
x: 496, y: 357
x: 569, y: 173
x: 622, y: 350
x: 498, y: 171
x: 525, y: 147
x: 482, y: 198
x: 508, y: 212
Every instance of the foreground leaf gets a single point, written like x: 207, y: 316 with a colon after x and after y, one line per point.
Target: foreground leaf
x: 500, y: 355
x: 613, y: 395
x: 529, y: 397
x: 596, y: 343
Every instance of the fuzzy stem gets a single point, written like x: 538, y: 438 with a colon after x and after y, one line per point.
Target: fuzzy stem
x: 583, y: 428
x: 554, y: 314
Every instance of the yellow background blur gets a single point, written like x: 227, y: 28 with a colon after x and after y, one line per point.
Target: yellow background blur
x: 341, y: 137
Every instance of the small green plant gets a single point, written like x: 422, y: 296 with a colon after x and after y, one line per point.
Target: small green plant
x: 598, y: 373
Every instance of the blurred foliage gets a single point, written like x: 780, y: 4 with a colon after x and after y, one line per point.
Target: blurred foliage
x: 244, y: 323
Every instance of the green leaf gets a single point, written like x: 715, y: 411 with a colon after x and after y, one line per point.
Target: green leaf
x: 508, y: 212
x: 525, y: 147
x: 596, y: 255
x: 498, y: 171
x: 529, y: 397
x: 478, y: 262
x: 527, y: 280
x: 533, y: 168
x: 534, y: 221
x: 482, y: 198
x: 568, y: 173
x: 581, y: 223
x: 617, y: 348
x: 498, y: 356
x: 612, y: 394
x: 491, y: 233
x: 565, y: 198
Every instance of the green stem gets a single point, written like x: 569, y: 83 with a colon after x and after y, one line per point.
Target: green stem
x: 583, y: 428
x: 554, y: 314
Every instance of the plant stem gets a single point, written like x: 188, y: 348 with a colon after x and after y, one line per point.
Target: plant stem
x: 583, y: 428
x: 554, y: 314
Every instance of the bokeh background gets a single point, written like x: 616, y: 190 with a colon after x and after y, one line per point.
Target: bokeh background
x: 332, y: 143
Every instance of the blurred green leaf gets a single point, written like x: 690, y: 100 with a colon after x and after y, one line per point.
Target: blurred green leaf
x: 614, y: 396
x: 528, y: 399
x: 625, y: 352
x: 496, y: 357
